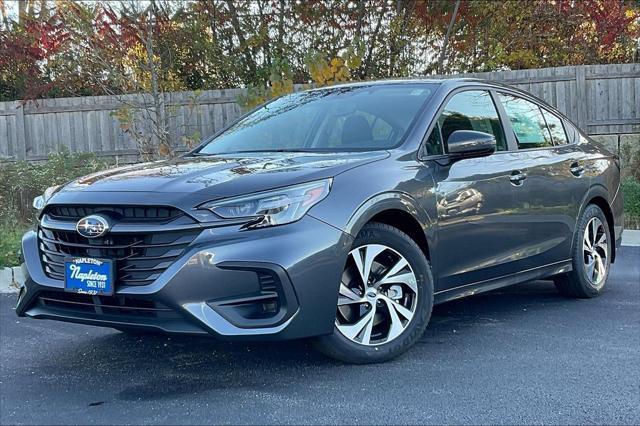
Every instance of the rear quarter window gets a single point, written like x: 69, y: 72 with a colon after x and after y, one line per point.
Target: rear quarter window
x: 556, y: 128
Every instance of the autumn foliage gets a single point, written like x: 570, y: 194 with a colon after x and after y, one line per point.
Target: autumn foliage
x: 63, y: 48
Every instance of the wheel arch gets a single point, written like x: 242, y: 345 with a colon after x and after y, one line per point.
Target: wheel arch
x: 398, y: 210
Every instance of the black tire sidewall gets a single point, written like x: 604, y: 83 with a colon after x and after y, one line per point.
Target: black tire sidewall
x: 338, y: 346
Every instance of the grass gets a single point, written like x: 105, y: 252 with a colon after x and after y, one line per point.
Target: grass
x: 10, y: 236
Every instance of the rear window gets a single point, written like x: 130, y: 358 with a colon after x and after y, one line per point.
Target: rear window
x: 341, y: 118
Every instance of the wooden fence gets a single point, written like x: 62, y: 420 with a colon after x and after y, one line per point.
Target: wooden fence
x: 601, y: 99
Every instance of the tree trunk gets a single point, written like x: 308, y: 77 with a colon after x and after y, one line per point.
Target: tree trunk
x: 246, y: 52
x: 372, y: 43
x: 404, y: 7
x: 22, y: 12
x: 266, y: 43
x: 160, y: 129
x: 281, y: 30
x: 5, y: 18
x: 446, y: 38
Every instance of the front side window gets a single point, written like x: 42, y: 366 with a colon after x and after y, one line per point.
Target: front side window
x: 469, y: 110
x: 528, y: 124
x: 337, y: 119
x: 556, y: 128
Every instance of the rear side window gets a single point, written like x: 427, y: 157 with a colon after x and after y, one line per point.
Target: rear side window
x: 556, y: 128
x: 527, y: 122
x: 470, y: 110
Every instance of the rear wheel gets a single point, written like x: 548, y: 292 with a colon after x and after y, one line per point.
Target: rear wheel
x: 591, y: 257
x: 385, y: 298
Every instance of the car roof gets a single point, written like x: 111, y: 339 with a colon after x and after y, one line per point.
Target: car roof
x: 448, y: 83
x: 408, y: 80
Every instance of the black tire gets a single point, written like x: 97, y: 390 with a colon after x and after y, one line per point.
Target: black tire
x: 577, y: 283
x: 341, y: 348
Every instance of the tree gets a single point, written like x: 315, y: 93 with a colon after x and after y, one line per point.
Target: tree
x: 66, y: 48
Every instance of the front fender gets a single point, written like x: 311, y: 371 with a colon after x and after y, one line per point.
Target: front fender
x: 392, y: 200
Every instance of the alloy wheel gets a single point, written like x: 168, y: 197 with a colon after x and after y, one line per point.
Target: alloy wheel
x: 595, y: 251
x: 378, y: 295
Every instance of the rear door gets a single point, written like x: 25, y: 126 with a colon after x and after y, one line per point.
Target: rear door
x: 477, y: 236
x: 549, y: 196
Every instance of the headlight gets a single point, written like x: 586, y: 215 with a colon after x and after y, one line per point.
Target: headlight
x: 41, y: 200
x: 276, y: 207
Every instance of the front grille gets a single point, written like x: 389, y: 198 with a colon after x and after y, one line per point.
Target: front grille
x: 106, y: 305
x: 128, y: 213
x: 140, y: 258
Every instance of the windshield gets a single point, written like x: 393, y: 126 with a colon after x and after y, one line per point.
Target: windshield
x: 338, y: 119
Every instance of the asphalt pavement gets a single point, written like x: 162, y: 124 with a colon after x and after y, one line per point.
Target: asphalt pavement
x: 519, y: 355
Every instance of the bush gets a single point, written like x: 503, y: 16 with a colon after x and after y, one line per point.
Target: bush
x: 631, y: 194
x: 10, y: 237
x: 20, y: 182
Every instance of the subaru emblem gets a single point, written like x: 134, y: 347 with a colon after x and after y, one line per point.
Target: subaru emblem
x: 93, y: 226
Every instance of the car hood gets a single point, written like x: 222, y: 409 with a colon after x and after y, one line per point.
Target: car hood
x: 223, y: 175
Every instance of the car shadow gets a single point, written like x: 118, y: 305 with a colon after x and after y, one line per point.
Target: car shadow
x: 155, y: 366
x: 493, y: 307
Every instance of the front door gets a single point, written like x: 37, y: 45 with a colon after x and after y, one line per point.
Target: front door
x: 477, y: 236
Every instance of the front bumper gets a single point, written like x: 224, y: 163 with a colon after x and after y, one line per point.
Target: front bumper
x: 266, y: 284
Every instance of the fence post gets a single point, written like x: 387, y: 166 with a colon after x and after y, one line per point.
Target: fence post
x: 581, y: 97
x: 21, y: 140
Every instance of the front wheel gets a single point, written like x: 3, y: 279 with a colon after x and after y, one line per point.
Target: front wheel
x: 591, y: 256
x: 385, y: 298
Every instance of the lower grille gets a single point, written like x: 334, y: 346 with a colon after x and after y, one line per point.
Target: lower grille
x: 106, y: 305
x: 140, y: 258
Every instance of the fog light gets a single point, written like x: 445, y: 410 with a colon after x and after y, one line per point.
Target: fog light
x: 269, y: 307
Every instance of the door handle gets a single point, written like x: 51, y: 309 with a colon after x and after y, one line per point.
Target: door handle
x: 576, y: 169
x: 517, y: 177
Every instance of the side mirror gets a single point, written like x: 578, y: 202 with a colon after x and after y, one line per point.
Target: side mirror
x: 469, y: 143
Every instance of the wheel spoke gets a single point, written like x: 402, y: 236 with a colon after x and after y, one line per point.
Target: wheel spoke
x: 346, y: 301
x: 586, y: 243
x: 366, y: 337
x: 594, y: 230
x: 406, y: 313
x: 348, y: 293
x: 408, y: 278
x: 396, y: 327
x: 352, y: 330
x: 603, y: 247
x: 591, y: 264
x: 348, y: 296
x: 364, y: 257
x: 602, y: 244
x: 600, y: 267
x: 399, y: 266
